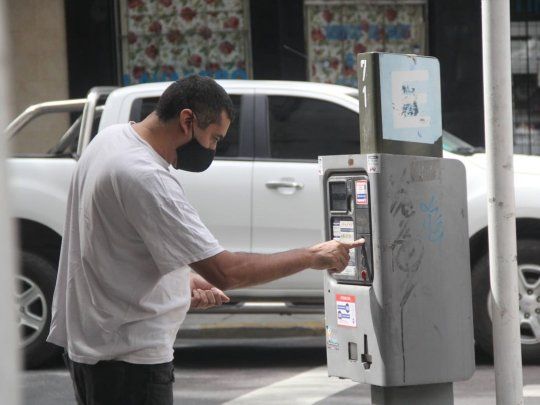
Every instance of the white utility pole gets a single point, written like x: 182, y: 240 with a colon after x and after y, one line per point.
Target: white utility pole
x: 9, y: 366
x: 501, y: 201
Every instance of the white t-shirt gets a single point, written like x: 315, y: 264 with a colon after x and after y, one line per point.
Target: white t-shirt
x: 122, y: 290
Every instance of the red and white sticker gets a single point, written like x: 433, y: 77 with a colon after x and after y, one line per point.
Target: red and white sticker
x: 361, y: 192
x: 346, y: 310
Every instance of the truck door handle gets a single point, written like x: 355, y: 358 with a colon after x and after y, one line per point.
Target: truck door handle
x: 289, y: 184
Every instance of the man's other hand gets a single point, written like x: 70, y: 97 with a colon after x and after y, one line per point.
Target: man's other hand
x: 204, y: 295
x: 333, y: 255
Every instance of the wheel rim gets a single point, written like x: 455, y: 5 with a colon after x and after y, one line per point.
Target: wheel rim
x: 32, y: 310
x: 529, y: 303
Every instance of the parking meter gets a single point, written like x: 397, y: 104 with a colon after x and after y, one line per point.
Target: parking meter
x: 399, y: 317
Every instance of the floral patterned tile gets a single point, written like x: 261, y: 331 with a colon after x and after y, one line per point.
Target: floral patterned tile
x: 167, y: 39
x: 326, y: 71
x: 362, y: 14
x: 226, y: 48
x: 189, y: 18
x: 321, y: 50
x: 337, y: 33
x: 221, y: 5
x: 225, y: 21
x: 166, y: 8
x: 144, y: 7
x: 139, y: 24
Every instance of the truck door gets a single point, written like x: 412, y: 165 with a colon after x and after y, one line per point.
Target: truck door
x: 286, y: 204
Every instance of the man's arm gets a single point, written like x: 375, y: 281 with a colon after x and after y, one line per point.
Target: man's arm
x: 228, y: 270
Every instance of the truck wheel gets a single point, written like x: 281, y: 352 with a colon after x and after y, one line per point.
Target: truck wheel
x: 528, y: 252
x: 35, y: 287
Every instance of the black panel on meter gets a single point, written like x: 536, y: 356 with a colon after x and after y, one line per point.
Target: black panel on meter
x: 347, y: 199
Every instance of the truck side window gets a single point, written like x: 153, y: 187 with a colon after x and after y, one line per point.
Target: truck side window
x: 304, y: 128
x: 228, y: 147
x: 41, y: 134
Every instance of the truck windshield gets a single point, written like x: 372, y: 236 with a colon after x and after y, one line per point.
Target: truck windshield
x: 453, y: 144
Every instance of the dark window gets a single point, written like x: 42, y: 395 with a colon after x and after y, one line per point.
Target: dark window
x: 304, y: 128
x: 228, y: 147
x: 277, y: 39
x: 92, y: 28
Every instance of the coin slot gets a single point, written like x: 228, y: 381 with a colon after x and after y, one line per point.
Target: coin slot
x: 353, y: 351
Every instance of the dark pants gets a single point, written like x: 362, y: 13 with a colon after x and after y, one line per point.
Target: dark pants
x: 120, y: 383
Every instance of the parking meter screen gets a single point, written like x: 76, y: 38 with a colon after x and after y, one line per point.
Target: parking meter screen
x: 338, y: 196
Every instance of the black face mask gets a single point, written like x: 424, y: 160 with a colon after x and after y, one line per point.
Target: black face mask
x: 193, y: 157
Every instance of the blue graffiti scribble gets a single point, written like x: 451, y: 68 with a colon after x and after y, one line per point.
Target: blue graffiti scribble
x: 409, y: 109
x: 406, y: 89
x: 433, y: 223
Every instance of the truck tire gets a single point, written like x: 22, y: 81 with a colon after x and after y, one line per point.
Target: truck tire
x: 528, y: 252
x: 35, y: 288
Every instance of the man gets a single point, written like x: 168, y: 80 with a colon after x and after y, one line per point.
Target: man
x: 124, y: 285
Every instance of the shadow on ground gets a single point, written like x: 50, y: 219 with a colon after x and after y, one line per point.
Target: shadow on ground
x: 248, y: 353
x: 253, y: 354
x: 267, y: 353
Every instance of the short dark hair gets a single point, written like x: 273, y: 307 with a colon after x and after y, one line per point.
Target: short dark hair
x: 203, y: 95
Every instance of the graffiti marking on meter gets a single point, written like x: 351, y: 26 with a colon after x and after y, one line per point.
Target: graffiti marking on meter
x: 346, y: 310
x: 332, y: 342
x: 408, y: 99
x: 433, y: 221
x: 361, y: 192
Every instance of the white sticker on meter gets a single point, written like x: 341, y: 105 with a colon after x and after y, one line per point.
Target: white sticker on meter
x: 349, y: 270
x: 361, y: 192
x: 346, y: 310
x: 373, y: 163
x: 336, y: 229
x: 346, y: 231
x: 343, y: 231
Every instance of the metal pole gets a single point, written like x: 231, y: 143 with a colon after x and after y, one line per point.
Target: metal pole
x: 501, y: 201
x: 427, y: 394
x: 9, y: 366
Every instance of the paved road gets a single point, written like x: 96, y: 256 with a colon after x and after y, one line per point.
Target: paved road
x: 286, y: 371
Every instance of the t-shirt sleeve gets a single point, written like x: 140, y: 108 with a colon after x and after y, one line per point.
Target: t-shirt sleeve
x: 170, y: 227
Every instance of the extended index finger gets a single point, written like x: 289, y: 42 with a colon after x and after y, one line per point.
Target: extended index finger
x: 356, y: 243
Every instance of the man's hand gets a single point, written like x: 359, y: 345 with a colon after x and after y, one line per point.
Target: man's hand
x: 332, y: 255
x: 204, y: 295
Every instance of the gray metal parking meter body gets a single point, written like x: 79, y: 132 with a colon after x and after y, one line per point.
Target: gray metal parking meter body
x: 399, y: 316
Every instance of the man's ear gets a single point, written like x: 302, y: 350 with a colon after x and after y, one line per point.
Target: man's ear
x: 186, y: 120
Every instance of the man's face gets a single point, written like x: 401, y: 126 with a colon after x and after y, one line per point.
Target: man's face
x: 213, y: 133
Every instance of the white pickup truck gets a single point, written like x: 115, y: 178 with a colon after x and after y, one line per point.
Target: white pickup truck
x: 260, y: 195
